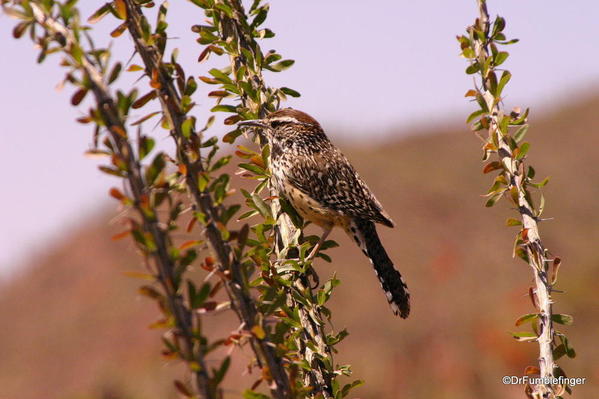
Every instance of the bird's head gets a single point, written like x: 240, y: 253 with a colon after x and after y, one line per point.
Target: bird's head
x: 285, y: 120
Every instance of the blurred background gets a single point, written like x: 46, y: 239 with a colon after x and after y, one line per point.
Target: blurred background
x: 385, y: 80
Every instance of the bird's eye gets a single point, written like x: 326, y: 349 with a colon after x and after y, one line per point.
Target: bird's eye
x: 276, y: 124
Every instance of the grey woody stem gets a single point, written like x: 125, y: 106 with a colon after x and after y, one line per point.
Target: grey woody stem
x: 535, y: 251
x: 110, y: 114
x: 242, y: 302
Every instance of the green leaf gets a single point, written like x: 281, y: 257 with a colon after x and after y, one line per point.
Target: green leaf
x: 146, y: 144
x: 473, y: 68
x: 225, y: 8
x: 155, y: 168
x: 513, y: 222
x: 220, y: 373
x: 262, y: 207
x: 220, y: 75
x: 198, y: 298
x: 494, y: 198
x: 280, y: 66
x: 247, y: 394
x: 520, y: 133
x: 252, y: 168
x: 116, y: 70
x: 224, y: 108
x: 523, y: 150
x: 220, y: 163
x: 290, y: 92
x: 541, y: 184
x: 505, y: 77
x: 562, y: 319
x: 99, y: 14
x: 559, y: 351
x: 528, y: 318
x: 500, y: 57
x: 473, y: 115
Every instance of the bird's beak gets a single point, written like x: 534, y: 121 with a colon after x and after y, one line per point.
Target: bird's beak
x: 253, y: 123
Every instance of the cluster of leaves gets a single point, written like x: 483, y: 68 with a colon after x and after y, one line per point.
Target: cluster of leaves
x: 282, y: 318
x: 481, y: 46
x: 297, y: 312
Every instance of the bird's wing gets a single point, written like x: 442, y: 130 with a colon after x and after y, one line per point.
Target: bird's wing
x: 334, y: 183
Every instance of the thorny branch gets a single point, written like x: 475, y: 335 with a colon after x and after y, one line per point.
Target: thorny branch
x: 242, y: 302
x: 319, y: 376
x: 514, y: 173
x: 123, y: 149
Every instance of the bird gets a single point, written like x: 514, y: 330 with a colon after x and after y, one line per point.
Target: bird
x: 324, y: 188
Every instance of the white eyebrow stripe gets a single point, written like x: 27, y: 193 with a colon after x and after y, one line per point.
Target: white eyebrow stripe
x: 284, y: 119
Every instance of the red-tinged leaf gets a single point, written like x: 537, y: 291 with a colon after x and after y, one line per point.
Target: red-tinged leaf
x: 78, y: 96
x: 84, y: 120
x: 231, y: 120
x: 242, y: 154
x: 168, y: 355
x: 160, y: 324
x: 120, y: 8
x: 208, y: 80
x: 555, y: 269
x: 140, y: 102
x: 204, y: 55
x: 218, y: 93
x: 120, y: 235
x: 257, y: 160
x: 207, y: 307
x: 182, y: 388
x: 155, y: 82
x: 231, y: 136
x: 134, y: 68
x: 513, y: 222
x: 119, y: 30
x: 526, y: 319
x: 533, y: 297
x: 116, y: 193
x: 215, y: 289
x: 524, y: 234
x: 99, y: 14
x: 150, y: 292
x: 118, y: 130
x: 190, y: 225
x: 145, y: 118
x: 470, y: 93
x: 256, y: 384
x: 19, y: 29
x: 190, y: 243
x: 491, y: 166
x: 209, y: 260
x: 531, y: 370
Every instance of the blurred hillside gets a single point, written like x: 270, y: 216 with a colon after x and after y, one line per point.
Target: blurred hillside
x: 74, y: 327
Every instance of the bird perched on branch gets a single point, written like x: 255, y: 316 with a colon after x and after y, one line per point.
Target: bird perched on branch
x: 324, y: 188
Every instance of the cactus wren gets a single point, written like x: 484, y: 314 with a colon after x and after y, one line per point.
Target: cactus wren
x: 325, y: 189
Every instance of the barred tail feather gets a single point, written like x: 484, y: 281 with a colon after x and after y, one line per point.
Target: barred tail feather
x: 396, y: 290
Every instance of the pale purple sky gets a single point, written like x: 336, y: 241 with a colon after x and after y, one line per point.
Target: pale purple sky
x: 365, y: 69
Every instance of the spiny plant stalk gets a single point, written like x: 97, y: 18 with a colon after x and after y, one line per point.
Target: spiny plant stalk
x: 187, y: 139
x: 505, y: 134
x: 300, y: 313
x: 312, y: 338
x: 152, y: 239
